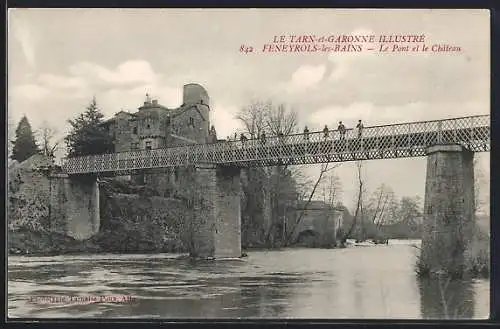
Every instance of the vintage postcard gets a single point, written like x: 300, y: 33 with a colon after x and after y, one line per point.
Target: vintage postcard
x: 248, y: 163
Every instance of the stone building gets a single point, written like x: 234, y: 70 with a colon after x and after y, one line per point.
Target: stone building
x: 155, y: 126
x: 319, y: 225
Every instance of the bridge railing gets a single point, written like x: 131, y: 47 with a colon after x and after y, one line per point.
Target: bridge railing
x: 468, y: 131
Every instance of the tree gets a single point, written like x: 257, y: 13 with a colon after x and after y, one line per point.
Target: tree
x: 380, y: 205
x: 47, y: 133
x: 358, y: 213
x: 24, y: 144
x: 87, y: 135
x: 331, y: 188
x: 410, y: 211
x: 276, y: 184
x: 324, y: 170
x: 253, y: 117
x: 10, y: 134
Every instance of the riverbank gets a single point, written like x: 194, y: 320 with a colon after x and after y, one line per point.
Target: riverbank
x: 23, y: 242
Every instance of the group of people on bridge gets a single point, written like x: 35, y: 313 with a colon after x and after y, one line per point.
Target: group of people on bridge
x: 341, y: 128
x: 326, y: 133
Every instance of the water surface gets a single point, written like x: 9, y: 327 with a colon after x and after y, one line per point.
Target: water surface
x: 359, y: 282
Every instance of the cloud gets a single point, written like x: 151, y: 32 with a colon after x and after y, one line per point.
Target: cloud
x: 32, y: 92
x: 306, y: 76
x: 24, y: 36
x: 118, y: 88
x: 373, y: 114
x: 127, y: 73
x: 58, y: 82
x: 343, y: 61
x: 131, y: 98
x: 223, y: 118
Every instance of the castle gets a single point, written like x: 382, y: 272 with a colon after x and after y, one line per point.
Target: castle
x: 155, y: 126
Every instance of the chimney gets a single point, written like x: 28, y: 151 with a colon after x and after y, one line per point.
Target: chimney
x: 148, y: 100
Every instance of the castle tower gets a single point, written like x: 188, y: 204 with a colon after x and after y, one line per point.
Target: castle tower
x: 195, y: 95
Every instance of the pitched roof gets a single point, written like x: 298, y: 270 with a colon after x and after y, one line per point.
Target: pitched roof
x: 314, y: 205
x: 183, y: 108
x: 126, y: 112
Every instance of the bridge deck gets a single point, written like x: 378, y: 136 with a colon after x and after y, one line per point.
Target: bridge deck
x: 378, y: 142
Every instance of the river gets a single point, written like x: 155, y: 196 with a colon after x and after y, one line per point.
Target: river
x: 357, y: 282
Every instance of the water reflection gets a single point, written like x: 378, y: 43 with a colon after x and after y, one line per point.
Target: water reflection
x: 376, y: 282
x: 446, y: 299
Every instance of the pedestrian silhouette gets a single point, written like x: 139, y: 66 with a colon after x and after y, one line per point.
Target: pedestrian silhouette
x: 306, y: 133
x: 281, y: 136
x: 263, y: 138
x: 243, y: 138
x: 325, y: 131
x: 342, y: 130
x: 359, y: 126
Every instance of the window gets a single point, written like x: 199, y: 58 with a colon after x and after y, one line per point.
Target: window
x: 148, y: 146
x: 191, y: 122
x: 134, y: 146
x: 148, y: 126
x: 134, y: 130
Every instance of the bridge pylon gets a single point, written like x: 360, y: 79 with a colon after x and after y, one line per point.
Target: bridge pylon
x: 216, y: 222
x: 448, y: 209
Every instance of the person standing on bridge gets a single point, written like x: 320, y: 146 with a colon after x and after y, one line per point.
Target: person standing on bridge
x: 325, y: 132
x: 359, y: 127
x: 281, y: 137
x: 263, y: 138
x: 243, y: 138
x: 306, y: 134
x: 342, y: 130
x: 213, y: 134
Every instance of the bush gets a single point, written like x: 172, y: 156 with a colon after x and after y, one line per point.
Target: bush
x: 477, y: 255
x: 476, y: 258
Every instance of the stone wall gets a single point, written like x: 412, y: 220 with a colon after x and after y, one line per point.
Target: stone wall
x: 29, y: 195
x: 323, y: 222
x: 198, y: 131
x: 37, y: 216
x: 81, y: 206
x: 123, y: 132
x: 40, y: 200
x: 136, y: 223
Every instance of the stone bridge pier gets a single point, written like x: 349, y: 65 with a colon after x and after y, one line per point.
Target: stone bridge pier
x: 448, y: 209
x: 216, y: 225
x: 74, y: 205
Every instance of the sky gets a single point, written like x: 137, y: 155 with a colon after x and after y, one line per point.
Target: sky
x: 58, y: 59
